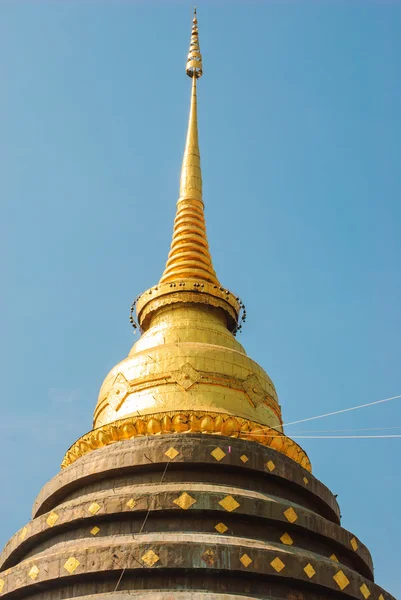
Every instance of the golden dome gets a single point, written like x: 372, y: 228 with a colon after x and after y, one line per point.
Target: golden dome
x: 187, y: 373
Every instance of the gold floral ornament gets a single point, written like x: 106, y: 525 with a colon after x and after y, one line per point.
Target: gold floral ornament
x: 209, y: 557
x: 118, y: 392
x: 150, y: 558
x: 181, y: 422
x: 33, y: 572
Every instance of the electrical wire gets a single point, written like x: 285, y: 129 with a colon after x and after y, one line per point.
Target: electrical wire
x: 141, y: 529
x: 337, y: 412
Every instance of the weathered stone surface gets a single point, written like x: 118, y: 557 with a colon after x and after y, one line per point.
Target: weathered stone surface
x: 154, y: 517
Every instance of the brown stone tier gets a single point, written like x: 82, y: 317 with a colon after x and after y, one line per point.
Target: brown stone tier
x: 185, y: 422
x: 217, y: 517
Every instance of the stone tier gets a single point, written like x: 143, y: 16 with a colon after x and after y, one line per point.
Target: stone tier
x: 195, y: 516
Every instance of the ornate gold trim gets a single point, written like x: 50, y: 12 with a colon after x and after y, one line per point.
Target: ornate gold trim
x: 189, y: 290
x: 182, y: 422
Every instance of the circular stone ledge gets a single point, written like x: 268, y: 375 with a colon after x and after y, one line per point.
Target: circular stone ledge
x: 200, y: 449
x: 92, y: 509
x: 184, y: 552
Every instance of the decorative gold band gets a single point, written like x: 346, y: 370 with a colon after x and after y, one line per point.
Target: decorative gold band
x: 182, y: 422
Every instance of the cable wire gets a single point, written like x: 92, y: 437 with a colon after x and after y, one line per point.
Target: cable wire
x: 337, y: 412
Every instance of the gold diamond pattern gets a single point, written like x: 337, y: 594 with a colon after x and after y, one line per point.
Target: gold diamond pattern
x: 33, y: 573
x: 246, y: 560
x: 184, y: 501
x: 94, y: 508
x: 244, y: 458
x: 23, y: 533
x: 354, y: 544
x: 218, y: 454
x: 365, y: 591
x: 287, y: 539
x: 229, y: 503
x: 309, y: 570
x: 150, y: 558
x: 172, y: 453
x: 186, y: 376
x: 306, y: 480
x: 71, y: 565
x: 2, y: 584
x: 290, y: 515
x: 277, y: 564
x: 334, y: 557
x: 381, y: 597
x: 52, y: 519
x: 131, y: 503
x: 95, y: 530
x: 221, y: 528
x: 208, y: 557
x: 341, y: 580
x: 270, y: 465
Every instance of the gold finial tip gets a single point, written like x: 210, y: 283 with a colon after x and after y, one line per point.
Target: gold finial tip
x: 194, y: 62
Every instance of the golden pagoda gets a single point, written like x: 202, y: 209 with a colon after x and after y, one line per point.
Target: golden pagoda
x: 187, y: 486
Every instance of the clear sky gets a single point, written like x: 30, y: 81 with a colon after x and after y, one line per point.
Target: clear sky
x: 300, y: 128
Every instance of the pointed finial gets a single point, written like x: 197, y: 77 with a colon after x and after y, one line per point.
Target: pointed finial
x: 189, y: 255
x: 194, y: 61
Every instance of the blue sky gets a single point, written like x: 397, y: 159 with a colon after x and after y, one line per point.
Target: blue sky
x: 300, y: 128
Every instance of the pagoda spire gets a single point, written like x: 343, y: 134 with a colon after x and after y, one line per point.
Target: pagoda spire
x: 189, y: 256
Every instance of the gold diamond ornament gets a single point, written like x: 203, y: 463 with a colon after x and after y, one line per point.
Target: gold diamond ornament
x: 71, y: 565
x: 187, y: 376
x: 246, y: 560
x: 33, y: 573
x: 277, y: 564
x: 341, y: 580
x: 270, y: 465
x: 381, y: 597
x: 184, y: 501
x: 131, y: 503
x: 94, y: 508
x: 287, y: 539
x: 150, y: 558
x: 95, y: 530
x: 354, y: 544
x: 290, y: 515
x: 365, y: 591
x: 172, y: 453
x: 52, y: 519
x: 244, y: 458
x: 309, y: 570
x: 23, y: 533
x: 2, y: 584
x: 218, y: 454
x: 306, y: 480
x: 229, y: 503
x: 221, y: 528
x: 209, y: 557
x: 334, y: 557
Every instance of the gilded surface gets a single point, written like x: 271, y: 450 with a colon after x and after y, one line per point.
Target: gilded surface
x: 181, y: 423
x: 187, y: 372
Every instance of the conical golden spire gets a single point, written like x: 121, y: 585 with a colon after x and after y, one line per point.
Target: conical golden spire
x: 189, y: 256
